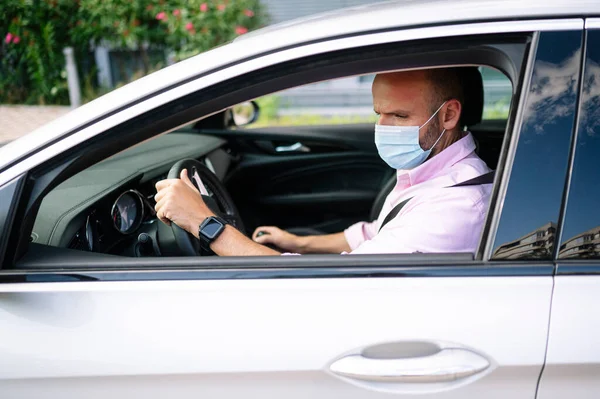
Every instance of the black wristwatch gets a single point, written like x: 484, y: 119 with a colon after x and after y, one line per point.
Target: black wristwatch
x: 209, y: 230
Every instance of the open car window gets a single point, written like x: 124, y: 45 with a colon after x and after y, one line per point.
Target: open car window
x: 109, y: 208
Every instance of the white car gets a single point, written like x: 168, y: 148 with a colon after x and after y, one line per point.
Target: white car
x: 96, y: 301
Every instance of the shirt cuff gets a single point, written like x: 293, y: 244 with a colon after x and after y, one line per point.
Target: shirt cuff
x: 355, y: 235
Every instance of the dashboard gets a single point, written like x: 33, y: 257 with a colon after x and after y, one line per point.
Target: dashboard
x: 109, y: 207
x: 113, y: 223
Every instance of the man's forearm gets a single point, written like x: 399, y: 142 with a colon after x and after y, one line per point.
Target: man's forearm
x: 324, y: 244
x: 233, y: 243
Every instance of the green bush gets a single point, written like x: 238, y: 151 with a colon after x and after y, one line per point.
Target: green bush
x: 34, y: 32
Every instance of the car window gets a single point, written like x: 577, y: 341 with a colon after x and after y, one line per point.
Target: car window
x: 349, y: 101
x: 120, y: 220
x: 581, y: 230
x: 531, y: 209
x: 324, y: 179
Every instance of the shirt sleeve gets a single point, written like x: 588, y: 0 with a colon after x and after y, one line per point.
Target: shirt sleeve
x: 448, y: 222
x: 360, y: 232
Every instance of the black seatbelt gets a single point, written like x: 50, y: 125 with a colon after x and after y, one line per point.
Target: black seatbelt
x: 487, y: 178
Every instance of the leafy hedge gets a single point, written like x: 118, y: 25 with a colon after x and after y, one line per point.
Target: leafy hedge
x: 34, y: 32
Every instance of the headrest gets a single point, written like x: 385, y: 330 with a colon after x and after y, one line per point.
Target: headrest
x: 472, y: 84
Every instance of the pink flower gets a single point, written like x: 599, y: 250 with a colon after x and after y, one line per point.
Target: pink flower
x: 189, y: 26
x: 249, y: 13
x: 177, y: 12
x: 16, y: 39
x: 240, y: 30
x: 221, y: 7
x: 203, y: 7
x: 161, y: 16
x: 8, y: 38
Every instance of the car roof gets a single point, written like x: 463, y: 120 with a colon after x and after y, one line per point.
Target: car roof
x: 340, y: 23
x: 408, y: 13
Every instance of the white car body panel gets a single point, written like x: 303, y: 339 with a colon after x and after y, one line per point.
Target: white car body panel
x: 263, y: 338
x: 573, y: 361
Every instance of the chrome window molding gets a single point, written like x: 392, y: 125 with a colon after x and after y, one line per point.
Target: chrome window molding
x: 510, y: 155
x: 74, y: 138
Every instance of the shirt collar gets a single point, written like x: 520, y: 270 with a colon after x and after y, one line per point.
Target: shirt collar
x: 445, y: 159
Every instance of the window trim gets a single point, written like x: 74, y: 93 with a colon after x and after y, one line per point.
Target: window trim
x: 447, y: 271
x: 263, y: 267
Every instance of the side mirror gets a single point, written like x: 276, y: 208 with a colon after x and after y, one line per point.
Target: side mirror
x: 244, y: 113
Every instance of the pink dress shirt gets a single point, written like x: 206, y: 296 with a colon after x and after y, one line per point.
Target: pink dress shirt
x: 437, y: 218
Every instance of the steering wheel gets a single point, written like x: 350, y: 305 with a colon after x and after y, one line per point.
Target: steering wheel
x: 214, y: 195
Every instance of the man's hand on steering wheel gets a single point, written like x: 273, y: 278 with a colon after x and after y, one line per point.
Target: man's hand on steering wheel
x: 180, y: 204
x: 178, y: 201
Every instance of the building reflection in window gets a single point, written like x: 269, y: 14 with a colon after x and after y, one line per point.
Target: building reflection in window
x: 539, y: 243
x: 536, y: 245
x: 584, y: 245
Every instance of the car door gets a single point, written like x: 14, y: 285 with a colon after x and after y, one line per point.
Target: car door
x: 573, y: 358
x: 416, y: 325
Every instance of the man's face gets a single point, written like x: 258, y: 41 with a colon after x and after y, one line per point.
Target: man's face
x: 404, y: 99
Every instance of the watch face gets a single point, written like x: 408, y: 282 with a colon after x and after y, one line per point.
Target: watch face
x: 211, y: 228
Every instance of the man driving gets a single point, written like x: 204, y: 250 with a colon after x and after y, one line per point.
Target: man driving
x: 420, y: 134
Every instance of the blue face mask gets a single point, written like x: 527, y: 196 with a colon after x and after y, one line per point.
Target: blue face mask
x: 399, y: 146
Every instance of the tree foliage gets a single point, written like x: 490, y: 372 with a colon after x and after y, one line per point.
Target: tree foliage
x: 34, y: 33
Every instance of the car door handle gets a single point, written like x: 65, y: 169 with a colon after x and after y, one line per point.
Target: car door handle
x: 447, y: 365
x: 296, y: 147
